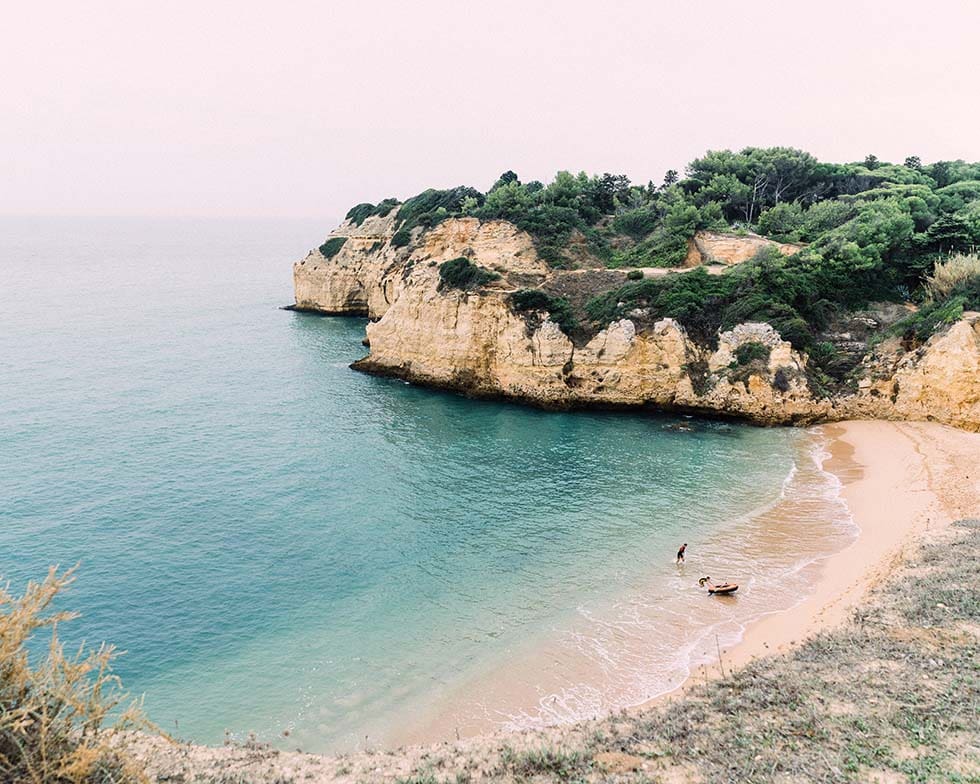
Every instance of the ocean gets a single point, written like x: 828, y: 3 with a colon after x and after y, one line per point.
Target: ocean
x: 331, y: 560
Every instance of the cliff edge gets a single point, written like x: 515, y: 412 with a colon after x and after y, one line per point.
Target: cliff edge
x: 491, y: 339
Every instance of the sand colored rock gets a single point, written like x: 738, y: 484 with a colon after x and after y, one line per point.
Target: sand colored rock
x: 474, y: 343
x: 358, y: 280
x: 495, y: 244
x: 364, y: 277
x: 471, y: 341
x: 712, y: 247
x: 939, y: 382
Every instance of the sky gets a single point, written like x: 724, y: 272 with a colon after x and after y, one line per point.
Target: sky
x: 296, y: 108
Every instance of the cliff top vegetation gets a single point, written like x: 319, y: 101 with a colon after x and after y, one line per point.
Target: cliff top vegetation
x: 872, y: 231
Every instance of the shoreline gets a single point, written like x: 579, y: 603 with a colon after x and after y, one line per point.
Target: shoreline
x: 521, y: 694
x: 904, y: 483
x: 888, y: 486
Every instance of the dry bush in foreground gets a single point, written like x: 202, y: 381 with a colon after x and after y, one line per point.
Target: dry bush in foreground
x: 950, y: 274
x: 54, y: 708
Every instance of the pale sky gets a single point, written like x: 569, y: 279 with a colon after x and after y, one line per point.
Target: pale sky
x: 296, y: 108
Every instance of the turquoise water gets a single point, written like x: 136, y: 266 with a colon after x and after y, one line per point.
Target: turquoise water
x: 282, y: 544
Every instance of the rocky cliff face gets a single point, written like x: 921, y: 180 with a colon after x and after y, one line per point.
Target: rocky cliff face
x: 472, y: 341
x: 366, y: 275
x: 938, y: 382
x: 358, y: 279
x: 713, y: 247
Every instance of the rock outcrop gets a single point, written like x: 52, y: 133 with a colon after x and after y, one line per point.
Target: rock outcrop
x: 713, y: 247
x: 364, y: 276
x: 938, y: 382
x: 473, y: 341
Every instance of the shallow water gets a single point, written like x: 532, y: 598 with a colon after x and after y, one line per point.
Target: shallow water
x: 280, y: 543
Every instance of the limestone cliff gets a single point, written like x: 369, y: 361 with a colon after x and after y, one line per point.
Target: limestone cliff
x: 714, y: 247
x: 358, y: 279
x: 473, y: 341
x: 364, y: 277
x: 938, y: 382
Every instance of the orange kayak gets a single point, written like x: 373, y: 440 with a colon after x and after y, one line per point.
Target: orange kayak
x: 724, y: 588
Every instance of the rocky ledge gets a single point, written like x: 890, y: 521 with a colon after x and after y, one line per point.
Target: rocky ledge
x: 474, y: 341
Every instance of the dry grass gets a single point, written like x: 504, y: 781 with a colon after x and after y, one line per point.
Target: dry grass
x: 55, y: 707
x: 951, y: 274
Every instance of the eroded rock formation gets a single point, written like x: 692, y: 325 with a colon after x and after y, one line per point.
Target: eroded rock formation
x: 714, y: 247
x: 472, y: 341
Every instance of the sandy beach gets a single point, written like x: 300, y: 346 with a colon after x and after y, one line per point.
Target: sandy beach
x: 900, y: 480
x: 904, y: 484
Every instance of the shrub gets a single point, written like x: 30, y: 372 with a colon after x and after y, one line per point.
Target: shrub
x: 332, y: 246
x: 634, y: 275
x: 401, y: 238
x: 824, y: 216
x: 700, y: 375
x: 636, y: 223
x: 954, y: 273
x: 555, y: 763
x: 782, y: 222
x: 920, y: 326
x: 432, y: 206
x: 558, y: 309
x: 360, y: 213
x: 53, y: 715
x: 687, y: 297
x: 461, y: 273
x: 752, y: 351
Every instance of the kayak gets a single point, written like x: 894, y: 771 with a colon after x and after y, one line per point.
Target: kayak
x: 722, y: 590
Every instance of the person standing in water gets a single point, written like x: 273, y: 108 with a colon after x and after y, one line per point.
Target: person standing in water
x: 680, y: 553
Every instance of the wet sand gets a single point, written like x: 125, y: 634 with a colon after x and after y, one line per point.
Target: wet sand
x: 900, y: 480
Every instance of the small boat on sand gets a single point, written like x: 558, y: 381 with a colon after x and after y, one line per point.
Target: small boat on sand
x: 722, y: 589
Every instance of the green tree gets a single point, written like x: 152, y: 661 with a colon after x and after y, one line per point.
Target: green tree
x: 957, y: 195
x: 506, y: 178
x: 782, y: 221
x: 951, y: 233
x: 748, y: 182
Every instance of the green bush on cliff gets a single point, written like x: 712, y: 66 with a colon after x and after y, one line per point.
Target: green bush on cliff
x: 332, y: 247
x: 360, y: 213
x: 461, y: 273
x: 433, y: 206
x: 527, y: 301
x: 680, y: 296
x: 636, y: 223
x: 955, y: 288
x: 751, y: 352
x: 873, y: 231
